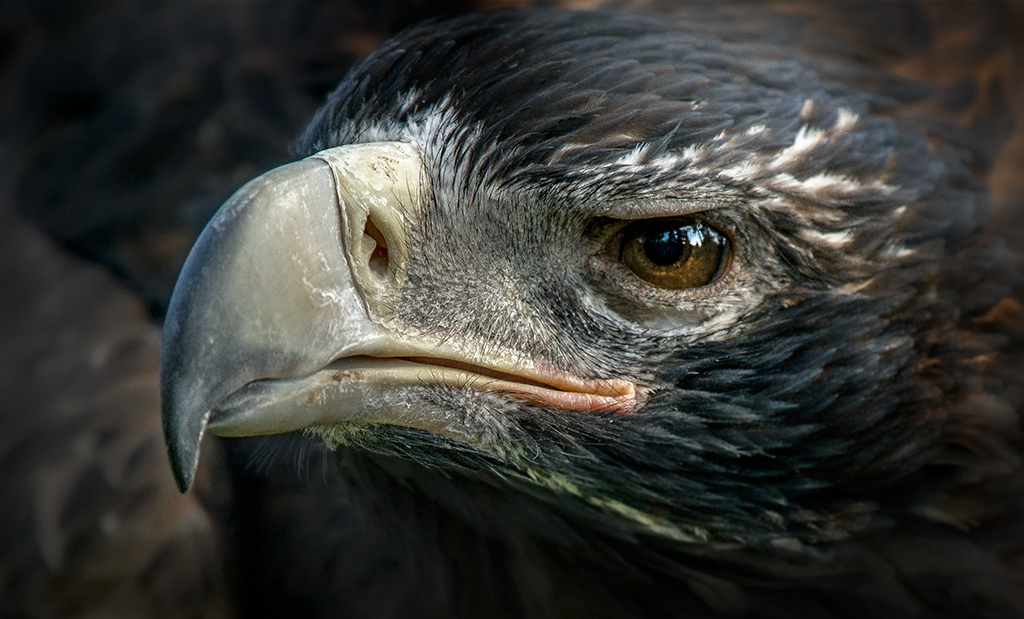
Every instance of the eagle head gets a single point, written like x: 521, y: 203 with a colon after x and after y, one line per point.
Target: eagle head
x: 674, y: 280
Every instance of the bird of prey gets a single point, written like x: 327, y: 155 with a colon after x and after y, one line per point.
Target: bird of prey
x: 713, y: 311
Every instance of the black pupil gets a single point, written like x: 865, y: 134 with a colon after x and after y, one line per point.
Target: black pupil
x: 666, y: 247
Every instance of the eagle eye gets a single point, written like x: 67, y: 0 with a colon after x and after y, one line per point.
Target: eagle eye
x: 674, y: 252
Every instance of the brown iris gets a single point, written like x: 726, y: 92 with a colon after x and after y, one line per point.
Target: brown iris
x: 674, y: 252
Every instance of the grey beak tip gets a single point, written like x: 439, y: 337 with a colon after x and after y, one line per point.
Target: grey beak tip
x: 183, y: 447
x: 182, y: 430
x: 183, y: 473
x: 183, y: 425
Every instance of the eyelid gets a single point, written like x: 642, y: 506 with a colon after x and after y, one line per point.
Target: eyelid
x: 637, y: 209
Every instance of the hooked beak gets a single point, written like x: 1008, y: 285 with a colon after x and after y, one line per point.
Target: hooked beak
x: 279, y: 319
x: 269, y: 289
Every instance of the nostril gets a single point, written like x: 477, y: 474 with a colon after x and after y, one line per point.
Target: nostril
x: 378, y: 261
x: 374, y: 232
